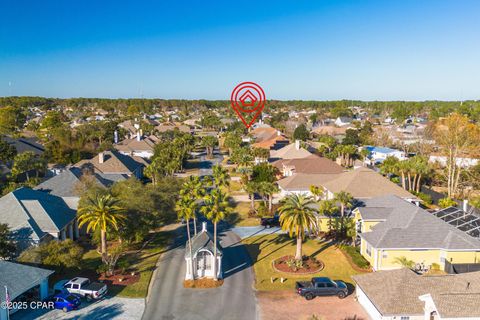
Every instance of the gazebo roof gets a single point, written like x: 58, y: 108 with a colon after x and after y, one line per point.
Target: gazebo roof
x: 203, y: 240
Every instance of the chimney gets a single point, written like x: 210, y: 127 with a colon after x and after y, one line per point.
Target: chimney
x: 297, y: 144
x: 101, y: 157
x: 204, y: 226
x: 465, y: 205
x: 115, y: 137
x: 139, y: 137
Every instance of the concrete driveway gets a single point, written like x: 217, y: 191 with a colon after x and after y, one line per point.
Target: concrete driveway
x: 169, y: 300
x: 246, y: 232
x: 108, y: 308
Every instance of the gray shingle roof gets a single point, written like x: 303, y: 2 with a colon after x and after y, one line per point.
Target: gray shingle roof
x: 409, y: 226
x: 19, y: 277
x: 65, y: 183
x: 396, y: 292
x: 203, y: 240
x: 31, y: 214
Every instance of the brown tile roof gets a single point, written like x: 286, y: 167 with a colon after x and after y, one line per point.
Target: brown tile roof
x: 267, y: 144
x: 396, y: 292
x: 172, y: 126
x: 130, y: 145
x: 312, y: 164
x: 365, y: 183
x: 360, y: 183
x: 114, y: 163
x: 264, y: 133
x: 290, y: 152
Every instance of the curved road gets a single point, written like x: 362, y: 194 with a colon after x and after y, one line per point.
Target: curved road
x: 235, y: 299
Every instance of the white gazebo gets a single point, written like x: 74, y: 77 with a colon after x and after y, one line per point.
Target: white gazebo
x: 203, y: 256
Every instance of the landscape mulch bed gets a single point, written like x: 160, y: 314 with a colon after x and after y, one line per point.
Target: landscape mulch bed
x: 204, y: 283
x: 310, y: 265
x: 120, y: 279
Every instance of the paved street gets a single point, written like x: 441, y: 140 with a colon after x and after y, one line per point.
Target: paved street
x: 245, y: 232
x: 169, y: 300
x: 206, y: 164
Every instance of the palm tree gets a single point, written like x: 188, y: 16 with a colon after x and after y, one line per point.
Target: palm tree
x: 221, y: 177
x: 297, y: 215
x: 317, y: 192
x: 404, y: 262
x: 194, y: 188
x: 268, y: 189
x: 103, y: 212
x: 251, y: 187
x: 345, y: 199
x: 185, y: 208
x: 328, y: 208
x: 216, y: 208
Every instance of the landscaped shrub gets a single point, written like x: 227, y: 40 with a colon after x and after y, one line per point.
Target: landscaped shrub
x: 446, y: 202
x: 426, y: 198
x: 357, y: 258
x: 435, y: 266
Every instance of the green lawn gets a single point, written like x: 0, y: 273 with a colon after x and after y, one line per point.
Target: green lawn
x: 264, y: 249
x: 142, y: 262
x: 239, y: 216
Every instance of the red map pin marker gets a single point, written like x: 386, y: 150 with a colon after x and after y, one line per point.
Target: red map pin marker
x: 248, y: 101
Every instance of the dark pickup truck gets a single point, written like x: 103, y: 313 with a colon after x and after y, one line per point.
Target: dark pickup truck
x: 321, y: 286
x: 270, y: 222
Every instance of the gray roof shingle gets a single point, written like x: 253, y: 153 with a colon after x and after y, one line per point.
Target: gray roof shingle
x: 409, y: 226
x: 19, y: 277
x: 31, y: 214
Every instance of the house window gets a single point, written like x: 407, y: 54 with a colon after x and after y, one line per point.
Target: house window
x: 369, y: 249
x: 404, y: 318
x: 384, y: 254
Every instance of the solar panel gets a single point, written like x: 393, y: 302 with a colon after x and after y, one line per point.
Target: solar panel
x: 468, y: 222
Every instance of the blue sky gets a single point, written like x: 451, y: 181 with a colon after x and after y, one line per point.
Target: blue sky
x: 385, y: 50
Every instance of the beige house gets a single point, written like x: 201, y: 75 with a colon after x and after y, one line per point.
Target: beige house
x: 404, y: 295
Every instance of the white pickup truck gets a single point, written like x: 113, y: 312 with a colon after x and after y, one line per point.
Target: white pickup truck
x: 83, y: 287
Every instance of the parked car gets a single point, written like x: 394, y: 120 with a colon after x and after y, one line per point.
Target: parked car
x: 270, y: 222
x: 66, y: 301
x: 321, y: 286
x: 82, y: 287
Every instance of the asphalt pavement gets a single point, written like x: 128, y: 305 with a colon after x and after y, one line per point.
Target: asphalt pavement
x: 234, y: 300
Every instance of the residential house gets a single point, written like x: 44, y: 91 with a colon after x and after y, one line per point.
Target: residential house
x: 463, y: 162
x: 343, y: 121
x: 403, y: 294
x: 312, y: 164
x: 21, y: 280
x: 68, y: 184
x: 25, y: 144
x: 140, y: 147
x: 268, y: 138
x: 167, y: 126
x: 34, y: 217
x: 361, y: 183
x: 379, y: 154
x: 114, y: 166
x: 388, y: 227
x: 291, y: 151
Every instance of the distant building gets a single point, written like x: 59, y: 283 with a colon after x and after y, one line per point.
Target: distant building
x: 114, y: 165
x: 140, y: 146
x: 379, y: 154
x: 343, y: 121
x: 291, y: 151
